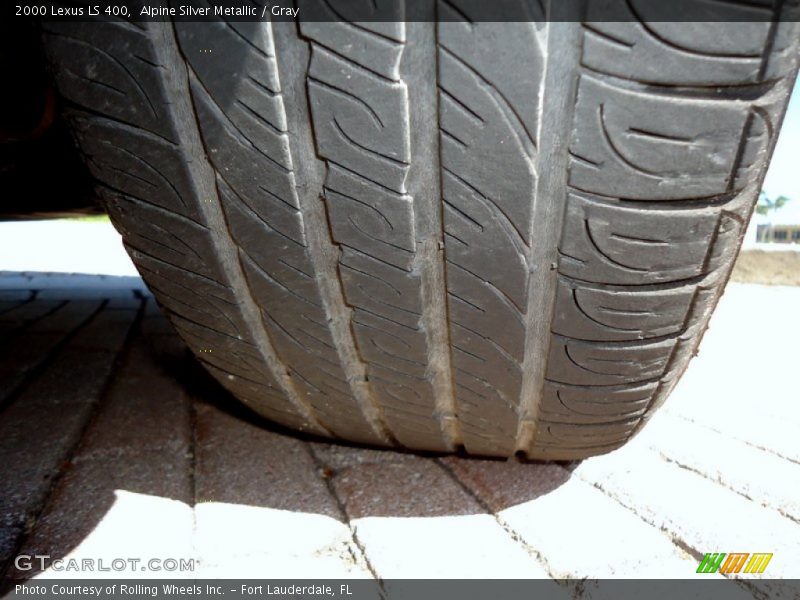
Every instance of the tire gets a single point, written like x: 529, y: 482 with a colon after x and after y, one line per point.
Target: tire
x: 492, y: 237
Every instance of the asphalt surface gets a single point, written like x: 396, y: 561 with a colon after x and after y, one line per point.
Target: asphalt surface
x: 115, y: 443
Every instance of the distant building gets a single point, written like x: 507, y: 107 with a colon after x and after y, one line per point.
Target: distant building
x: 780, y: 234
x: 781, y: 226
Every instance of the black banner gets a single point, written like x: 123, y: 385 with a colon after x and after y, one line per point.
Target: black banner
x: 647, y: 11
x: 409, y: 589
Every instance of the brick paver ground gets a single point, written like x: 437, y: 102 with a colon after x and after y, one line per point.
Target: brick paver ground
x: 113, y: 442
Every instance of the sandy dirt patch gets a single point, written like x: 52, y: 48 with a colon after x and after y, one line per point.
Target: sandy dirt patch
x: 773, y: 267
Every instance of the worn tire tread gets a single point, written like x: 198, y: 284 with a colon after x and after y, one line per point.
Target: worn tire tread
x: 419, y: 240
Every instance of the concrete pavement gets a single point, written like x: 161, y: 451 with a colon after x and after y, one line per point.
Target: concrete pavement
x: 115, y: 443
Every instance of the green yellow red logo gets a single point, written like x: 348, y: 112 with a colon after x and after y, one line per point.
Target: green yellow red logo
x: 735, y: 562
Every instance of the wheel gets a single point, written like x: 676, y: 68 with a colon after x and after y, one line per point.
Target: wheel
x: 497, y: 237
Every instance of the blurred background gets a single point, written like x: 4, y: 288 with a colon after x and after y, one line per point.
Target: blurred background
x: 771, y: 248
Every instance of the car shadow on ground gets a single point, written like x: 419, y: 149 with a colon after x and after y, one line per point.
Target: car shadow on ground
x: 164, y: 432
